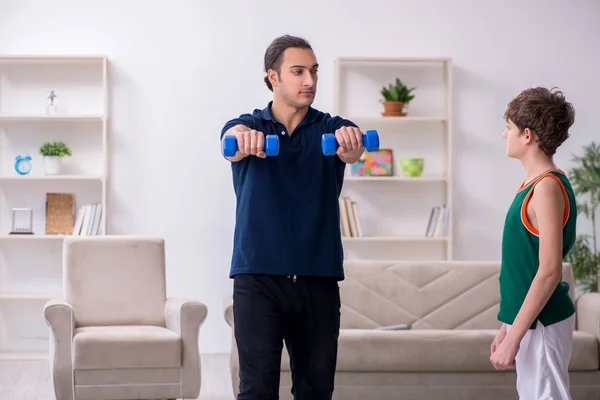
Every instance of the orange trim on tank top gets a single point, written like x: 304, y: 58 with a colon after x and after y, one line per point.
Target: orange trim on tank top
x: 527, y: 183
x: 566, y: 213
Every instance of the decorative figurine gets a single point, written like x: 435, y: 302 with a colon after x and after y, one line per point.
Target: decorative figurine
x: 51, y: 109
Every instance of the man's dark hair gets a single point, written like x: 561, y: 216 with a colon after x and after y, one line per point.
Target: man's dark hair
x: 546, y: 113
x: 274, y: 53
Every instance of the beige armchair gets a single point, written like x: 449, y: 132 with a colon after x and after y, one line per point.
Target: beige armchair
x: 114, y: 334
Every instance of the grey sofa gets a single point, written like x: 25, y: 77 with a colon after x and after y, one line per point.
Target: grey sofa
x: 451, y: 308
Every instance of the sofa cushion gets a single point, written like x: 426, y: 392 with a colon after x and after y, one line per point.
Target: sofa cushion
x: 368, y: 350
x: 105, y: 347
x: 424, y: 294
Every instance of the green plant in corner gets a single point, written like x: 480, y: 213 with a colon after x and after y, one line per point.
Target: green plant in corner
x: 585, y: 180
x: 55, y: 149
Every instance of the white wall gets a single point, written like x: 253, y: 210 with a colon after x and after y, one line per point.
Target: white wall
x: 180, y: 69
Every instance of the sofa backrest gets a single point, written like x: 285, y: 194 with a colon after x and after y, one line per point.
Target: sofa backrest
x: 424, y: 294
x: 115, y: 280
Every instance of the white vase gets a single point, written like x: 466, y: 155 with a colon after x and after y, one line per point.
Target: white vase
x: 52, y: 165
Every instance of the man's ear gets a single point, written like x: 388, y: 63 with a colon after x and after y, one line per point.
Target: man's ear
x: 273, y: 78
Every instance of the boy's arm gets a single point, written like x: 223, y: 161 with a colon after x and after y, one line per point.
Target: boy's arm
x: 548, y: 205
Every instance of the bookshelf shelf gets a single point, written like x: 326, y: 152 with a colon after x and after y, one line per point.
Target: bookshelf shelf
x: 32, y: 237
x: 371, y: 122
x: 378, y: 61
x: 23, y: 356
x: 28, y: 296
x: 394, y: 179
x: 51, y: 118
x: 399, y: 210
x: 31, y: 265
x: 26, y: 178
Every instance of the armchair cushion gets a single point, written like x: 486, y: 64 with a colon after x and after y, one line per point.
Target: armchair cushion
x: 110, y: 347
x: 115, y: 280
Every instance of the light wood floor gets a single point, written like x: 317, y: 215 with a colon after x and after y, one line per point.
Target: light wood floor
x: 30, y: 380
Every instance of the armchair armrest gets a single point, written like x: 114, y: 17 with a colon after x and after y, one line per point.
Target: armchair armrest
x: 185, y: 318
x: 60, y: 318
x: 228, y: 310
x: 588, y: 313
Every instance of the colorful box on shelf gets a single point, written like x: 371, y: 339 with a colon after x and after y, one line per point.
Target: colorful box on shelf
x: 374, y: 163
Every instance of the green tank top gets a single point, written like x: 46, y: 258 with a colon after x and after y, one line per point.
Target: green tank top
x: 520, y: 255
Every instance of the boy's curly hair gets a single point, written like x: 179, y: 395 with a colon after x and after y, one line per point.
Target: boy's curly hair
x: 546, y: 113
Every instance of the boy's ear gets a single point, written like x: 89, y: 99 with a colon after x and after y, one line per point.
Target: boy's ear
x: 529, y: 135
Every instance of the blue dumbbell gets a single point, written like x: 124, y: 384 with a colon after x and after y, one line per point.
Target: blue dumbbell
x: 329, y: 144
x: 230, y: 145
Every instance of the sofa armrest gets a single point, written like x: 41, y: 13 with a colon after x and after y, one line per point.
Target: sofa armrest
x: 588, y: 313
x: 60, y: 318
x: 228, y: 310
x: 185, y: 318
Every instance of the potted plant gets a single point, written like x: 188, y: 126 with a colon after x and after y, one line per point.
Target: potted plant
x: 53, y: 153
x: 395, y: 98
x: 585, y: 180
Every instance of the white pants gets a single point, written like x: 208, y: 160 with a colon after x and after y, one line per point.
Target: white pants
x: 542, y: 363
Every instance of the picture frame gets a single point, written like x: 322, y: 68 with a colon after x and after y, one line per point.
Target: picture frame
x: 22, y: 221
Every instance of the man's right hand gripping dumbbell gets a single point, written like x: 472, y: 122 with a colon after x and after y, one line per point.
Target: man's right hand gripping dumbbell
x: 242, y: 142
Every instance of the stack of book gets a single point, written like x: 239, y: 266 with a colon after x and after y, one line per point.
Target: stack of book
x: 349, y: 218
x: 88, y: 220
x: 438, y: 221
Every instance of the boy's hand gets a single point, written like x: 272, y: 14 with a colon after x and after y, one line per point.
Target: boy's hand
x: 498, y: 340
x: 504, y: 356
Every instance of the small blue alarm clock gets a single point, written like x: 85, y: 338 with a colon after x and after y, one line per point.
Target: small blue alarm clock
x: 23, y: 165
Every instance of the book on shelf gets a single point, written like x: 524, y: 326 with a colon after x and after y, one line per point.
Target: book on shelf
x: 88, y: 220
x: 349, y: 217
x: 438, y: 221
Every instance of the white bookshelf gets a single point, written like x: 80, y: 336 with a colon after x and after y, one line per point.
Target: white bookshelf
x: 31, y: 265
x: 372, y: 179
x: 394, y: 210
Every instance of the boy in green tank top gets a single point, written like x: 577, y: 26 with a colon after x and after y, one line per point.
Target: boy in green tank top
x: 536, y: 309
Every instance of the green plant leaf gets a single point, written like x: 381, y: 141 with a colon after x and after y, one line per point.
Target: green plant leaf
x: 397, y: 92
x: 585, y: 264
x: 55, y: 149
x: 585, y: 180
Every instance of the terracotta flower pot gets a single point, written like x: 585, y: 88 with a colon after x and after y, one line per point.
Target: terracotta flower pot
x: 393, y: 109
